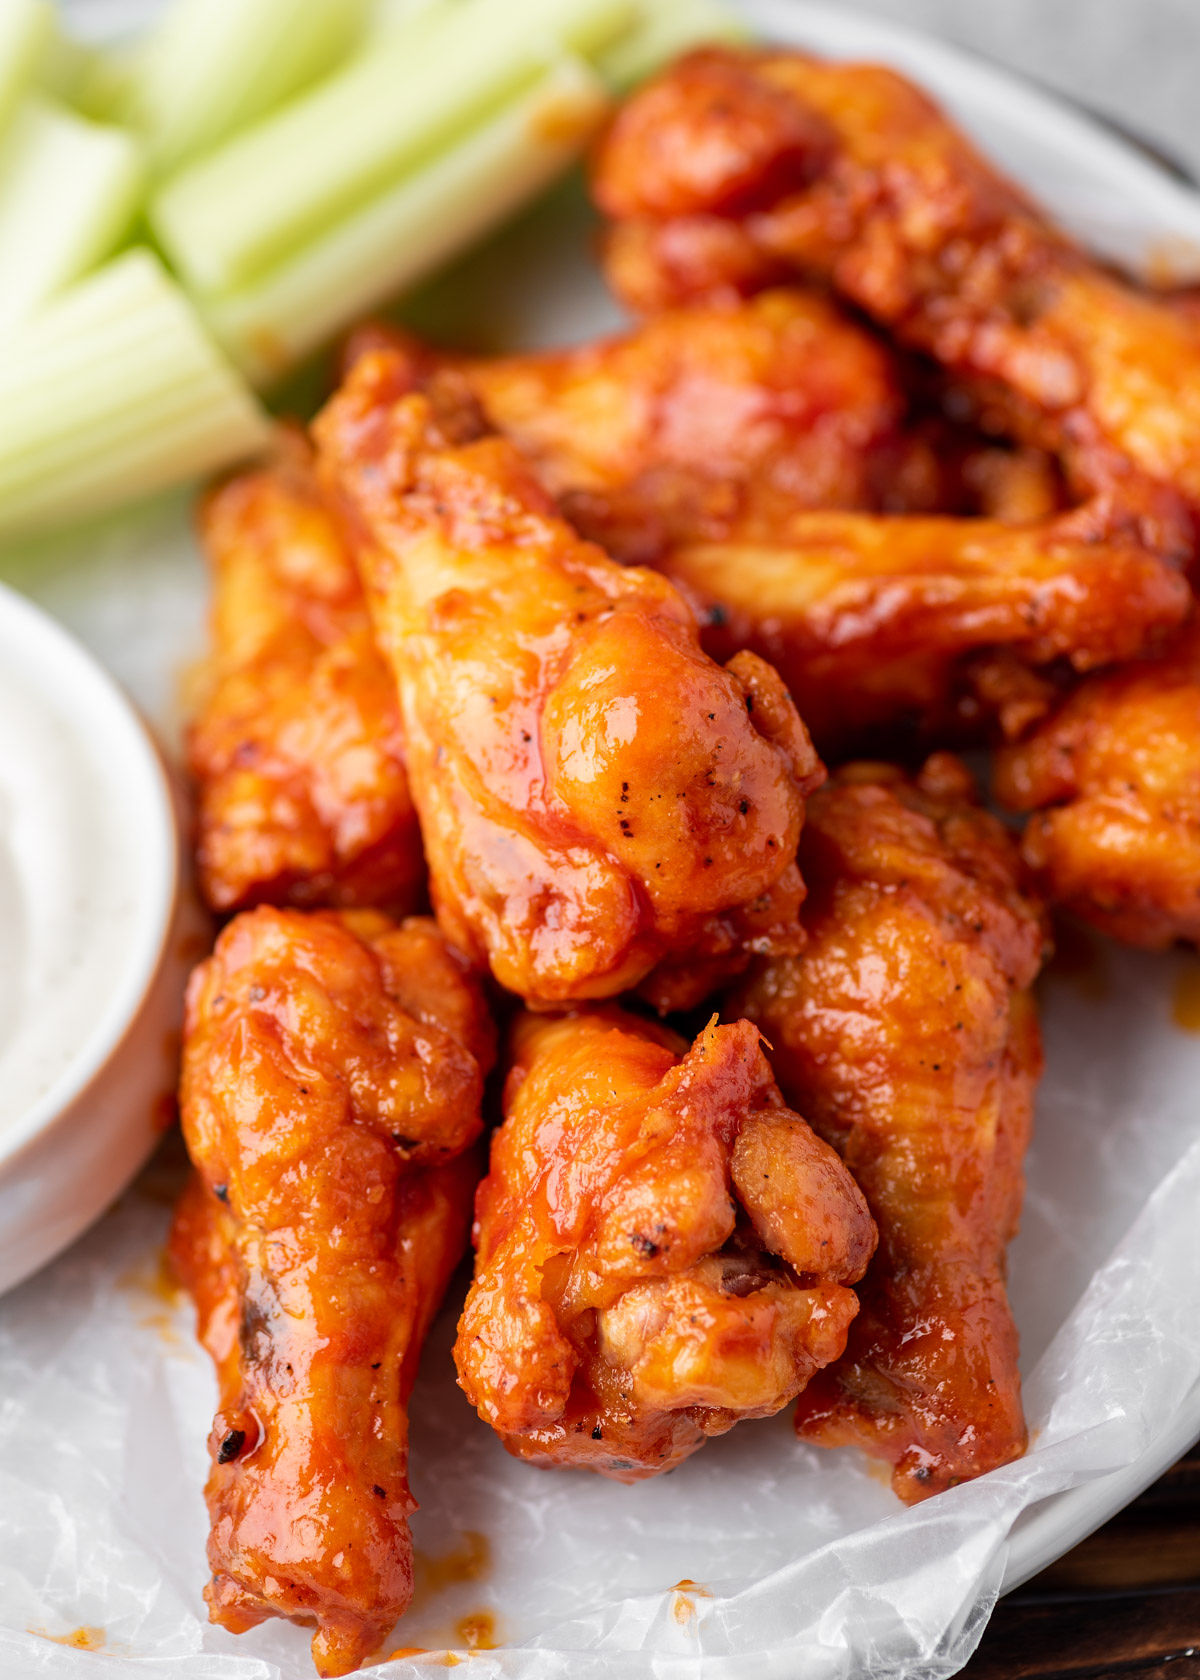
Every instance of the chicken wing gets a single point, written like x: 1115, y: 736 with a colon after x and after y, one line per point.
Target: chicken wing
x: 332, y: 1076
x: 602, y: 806
x: 904, y: 625
x: 663, y: 1247
x: 703, y: 421
x: 1114, y: 781
x: 296, y: 749
x: 735, y: 169
x: 906, y: 1031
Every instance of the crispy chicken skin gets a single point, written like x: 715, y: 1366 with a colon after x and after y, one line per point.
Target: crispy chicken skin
x: 333, y: 1066
x: 907, y: 1034
x: 602, y: 806
x: 735, y: 169
x: 882, y: 626
x: 295, y: 748
x: 663, y: 1247
x: 1113, y: 780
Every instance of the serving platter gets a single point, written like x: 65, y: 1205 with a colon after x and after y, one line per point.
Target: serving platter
x: 761, y: 1555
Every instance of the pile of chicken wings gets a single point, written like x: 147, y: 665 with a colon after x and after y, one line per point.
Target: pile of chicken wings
x: 509, y: 793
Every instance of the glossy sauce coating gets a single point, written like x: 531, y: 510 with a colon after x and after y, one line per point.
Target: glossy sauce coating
x: 1113, y: 780
x: 881, y: 625
x: 602, y: 806
x: 735, y: 168
x: 662, y: 1246
x: 333, y: 1068
x: 295, y: 748
x: 907, y: 1032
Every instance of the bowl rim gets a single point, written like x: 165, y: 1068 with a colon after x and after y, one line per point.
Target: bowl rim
x: 157, y: 891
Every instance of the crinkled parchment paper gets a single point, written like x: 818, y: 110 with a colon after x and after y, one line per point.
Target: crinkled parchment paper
x: 760, y: 1557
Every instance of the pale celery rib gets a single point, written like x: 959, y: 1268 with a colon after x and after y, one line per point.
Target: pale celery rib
x: 210, y: 67
x: 406, y: 233
x: 230, y: 217
x: 68, y: 194
x: 112, y: 391
x: 27, y: 31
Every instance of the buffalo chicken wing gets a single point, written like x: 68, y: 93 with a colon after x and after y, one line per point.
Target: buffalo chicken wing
x: 332, y: 1076
x: 907, y: 1033
x: 663, y: 1246
x: 602, y: 806
x: 882, y: 626
x: 703, y: 421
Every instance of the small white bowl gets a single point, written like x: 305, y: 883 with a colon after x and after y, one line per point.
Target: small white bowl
x: 92, y: 943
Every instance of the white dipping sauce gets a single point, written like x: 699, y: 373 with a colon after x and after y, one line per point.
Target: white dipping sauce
x: 83, y: 902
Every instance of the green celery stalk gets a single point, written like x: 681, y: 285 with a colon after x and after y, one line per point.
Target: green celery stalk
x: 27, y: 31
x: 230, y: 217
x: 64, y: 65
x: 68, y: 194
x: 386, y: 14
x: 111, y: 391
x: 213, y: 66
x: 667, y: 28
x: 410, y: 230
x: 106, y: 84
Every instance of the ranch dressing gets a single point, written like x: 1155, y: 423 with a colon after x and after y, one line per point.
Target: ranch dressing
x: 82, y: 898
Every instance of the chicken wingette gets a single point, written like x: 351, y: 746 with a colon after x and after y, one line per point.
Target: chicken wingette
x: 939, y: 628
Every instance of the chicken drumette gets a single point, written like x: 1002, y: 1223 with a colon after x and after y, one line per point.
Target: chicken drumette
x: 602, y: 806
x: 295, y: 747
x: 906, y: 1032
x: 333, y: 1067
x: 663, y: 1246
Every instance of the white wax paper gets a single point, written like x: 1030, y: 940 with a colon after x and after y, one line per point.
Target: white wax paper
x: 797, y: 1562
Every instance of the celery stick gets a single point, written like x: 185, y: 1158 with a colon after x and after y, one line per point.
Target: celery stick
x: 64, y: 65
x: 106, y: 85
x: 410, y: 230
x: 111, y: 391
x: 68, y: 193
x: 27, y: 29
x: 213, y: 66
x: 386, y: 14
x: 231, y: 216
x: 667, y: 28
